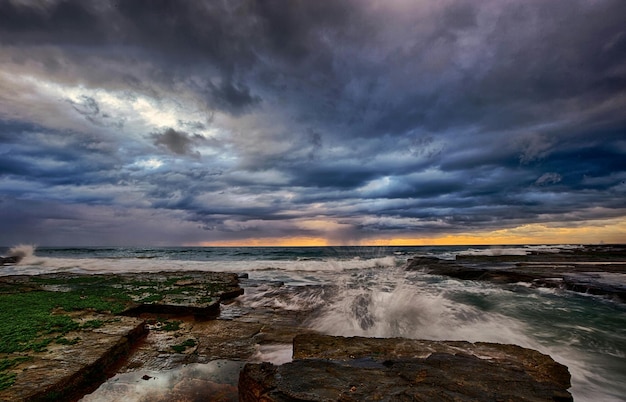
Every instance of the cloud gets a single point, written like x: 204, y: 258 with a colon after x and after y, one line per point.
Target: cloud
x: 179, y: 143
x: 253, y: 118
x: 534, y: 147
x: 548, y: 178
x: 228, y: 96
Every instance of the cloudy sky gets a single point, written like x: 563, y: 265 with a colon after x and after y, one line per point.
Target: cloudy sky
x: 285, y: 122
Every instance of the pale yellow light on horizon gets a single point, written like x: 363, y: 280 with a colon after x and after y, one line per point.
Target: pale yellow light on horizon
x: 611, y: 231
x: 269, y: 242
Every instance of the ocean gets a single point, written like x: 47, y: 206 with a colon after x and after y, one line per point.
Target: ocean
x: 366, y: 291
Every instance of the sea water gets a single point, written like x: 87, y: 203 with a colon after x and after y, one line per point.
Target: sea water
x: 366, y: 291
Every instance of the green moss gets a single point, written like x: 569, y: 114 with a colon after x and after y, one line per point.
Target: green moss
x: 27, y: 319
x: 155, y: 297
x: 206, y: 300
x: 92, y: 324
x: 35, y: 313
x: 98, y: 292
x: 64, y: 341
x: 172, y: 281
x: 6, y: 364
x: 7, y: 378
x: 166, y: 325
x: 181, y: 347
x: 118, y: 288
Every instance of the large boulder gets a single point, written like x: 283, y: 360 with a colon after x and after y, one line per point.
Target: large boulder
x: 328, y: 368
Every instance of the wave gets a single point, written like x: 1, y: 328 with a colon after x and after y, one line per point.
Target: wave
x: 409, y: 312
x: 22, y: 250
x: 16, y: 254
x: 32, y: 264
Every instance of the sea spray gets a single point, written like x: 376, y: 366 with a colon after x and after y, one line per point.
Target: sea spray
x: 23, y: 251
x: 412, y: 312
x: 16, y: 254
x: 273, y: 353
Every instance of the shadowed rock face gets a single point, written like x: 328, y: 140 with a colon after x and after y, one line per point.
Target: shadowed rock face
x: 14, y: 259
x: 328, y: 368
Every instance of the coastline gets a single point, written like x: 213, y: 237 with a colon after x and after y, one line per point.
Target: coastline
x: 177, y: 340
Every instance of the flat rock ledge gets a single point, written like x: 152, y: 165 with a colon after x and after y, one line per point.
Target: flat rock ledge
x: 77, y: 361
x: 597, y: 270
x: 329, y: 368
x: 63, y: 371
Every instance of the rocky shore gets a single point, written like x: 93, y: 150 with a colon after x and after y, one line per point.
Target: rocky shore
x: 328, y: 368
x: 100, y: 325
x: 64, y: 334
x: 596, y: 270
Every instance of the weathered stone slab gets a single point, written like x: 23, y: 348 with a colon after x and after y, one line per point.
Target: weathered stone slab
x: 330, y: 368
x: 63, y: 370
x: 80, y: 356
x: 195, y: 293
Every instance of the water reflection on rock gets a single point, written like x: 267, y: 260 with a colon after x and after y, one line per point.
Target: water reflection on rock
x: 213, y: 381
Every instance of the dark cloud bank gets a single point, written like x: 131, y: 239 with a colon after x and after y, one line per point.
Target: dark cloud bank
x: 169, y: 122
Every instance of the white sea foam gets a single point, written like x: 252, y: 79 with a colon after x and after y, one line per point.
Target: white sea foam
x: 521, y: 250
x: 22, y: 250
x: 273, y: 353
x: 32, y: 264
x: 285, y: 297
x: 411, y: 312
x: 590, y: 375
x: 495, y: 251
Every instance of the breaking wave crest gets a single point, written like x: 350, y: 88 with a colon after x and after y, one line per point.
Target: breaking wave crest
x: 409, y: 312
x: 16, y: 254
x: 23, y: 251
x: 32, y: 264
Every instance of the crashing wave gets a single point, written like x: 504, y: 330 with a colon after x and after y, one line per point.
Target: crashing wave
x: 17, y: 254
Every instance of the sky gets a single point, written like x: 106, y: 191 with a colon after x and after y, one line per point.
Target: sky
x: 326, y: 122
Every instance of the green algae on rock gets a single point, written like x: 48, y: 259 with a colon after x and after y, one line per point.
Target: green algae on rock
x: 70, y: 328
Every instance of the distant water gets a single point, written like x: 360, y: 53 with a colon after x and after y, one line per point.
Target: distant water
x: 365, y: 291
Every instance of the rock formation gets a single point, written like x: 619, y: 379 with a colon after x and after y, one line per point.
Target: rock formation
x: 327, y: 368
x: 13, y: 259
x: 598, y: 271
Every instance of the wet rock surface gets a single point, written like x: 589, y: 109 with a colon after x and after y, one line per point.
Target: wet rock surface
x: 108, y: 320
x: 597, y: 270
x: 327, y: 368
x: 195, y: 293
x: 180, y: 354
x: 214, y: 381
x: 249, y: 329
x: 63, y: 372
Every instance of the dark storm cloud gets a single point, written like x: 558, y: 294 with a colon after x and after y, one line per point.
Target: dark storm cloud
x: 248, y: 117
x: 34, y: 22
x: 32, y: 153
x: 231, y: 97
x: 179, y: 143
